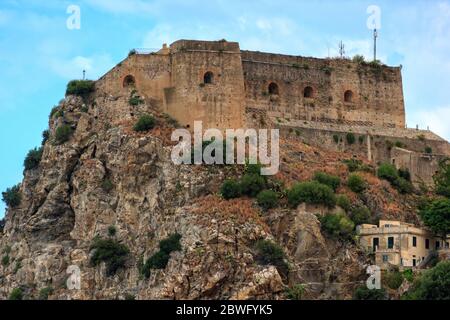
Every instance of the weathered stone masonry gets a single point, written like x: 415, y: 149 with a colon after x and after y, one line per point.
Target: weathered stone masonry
x: 217, y: 83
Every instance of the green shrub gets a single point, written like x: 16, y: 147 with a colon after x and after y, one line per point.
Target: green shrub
x: 311, y: 192
x: 403, y: 186
x: 161, y: 258
x: 354, y: 165
x: 405, y: 174
x: 436, y: 216
x: 361, y: 139
x: 16, y: 294
x: 327, y: 179
x: 356, y: 183
x: 63, y: 134
x: 130, y: 297
x: 393, y: 279
x: 252, y: 184
x: 428, y: 150
x: 336, y: 138
x: 44, y: 293
x: 33, y: 158
x: 408, y: 274
x: 253, y: 169
x: 107, y: 185
x: 350, y: 138
x: 359, y: 59
x: 55, y: 112
x: 364, y: 293
x: 12, y: 196
x: 157, y: 261
x: 111, y: 252
x: 337, y: 225
x: 145, y: 123
x: 2, y: 224
x: 360, y: 215
x: 399, y: 144
x: 5, y: 260
x: 387, y: 172
x: 45, y: 136
x: 80, y: 87
x: 270, y: 253
x: 267, y: 199
x: 343, y: 201
x: 170, y: 244
x: 442, y: 178
x: 296, y: 292
x: 135, y: 101
x: 112, y: 231
x: 434, y: 284
x: 231, y: 189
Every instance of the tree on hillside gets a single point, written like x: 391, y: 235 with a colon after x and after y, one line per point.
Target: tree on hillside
x: 436, y: 216
x: 442, y: 178
x: 433, y: 285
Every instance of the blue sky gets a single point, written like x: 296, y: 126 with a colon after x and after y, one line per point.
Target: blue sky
x: 39, y: 54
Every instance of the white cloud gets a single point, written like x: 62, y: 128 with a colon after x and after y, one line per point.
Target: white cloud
x: 437, y: 119
x: 95, y: 66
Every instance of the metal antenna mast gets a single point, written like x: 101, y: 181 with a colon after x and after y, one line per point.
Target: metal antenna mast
x: 341, y: 49
x: 84, y: 74
x: 375, y: 36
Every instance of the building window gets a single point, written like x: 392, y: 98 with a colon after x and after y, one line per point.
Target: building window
x: 427, y: 244
x: 348, y: 96
x: 385, y: 258
x: 308, y: 92
x: 129, y: 81
x: 208, y: 78
x: 414, y: 241
x: 437, y: 245
x: 391, y: 243
x: 376, y: 243
x: 273, y: 89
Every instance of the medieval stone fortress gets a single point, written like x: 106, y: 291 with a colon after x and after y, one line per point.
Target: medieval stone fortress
x: 339, y: 104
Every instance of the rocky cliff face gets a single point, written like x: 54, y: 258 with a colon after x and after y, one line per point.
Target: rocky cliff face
x: 108, y: 175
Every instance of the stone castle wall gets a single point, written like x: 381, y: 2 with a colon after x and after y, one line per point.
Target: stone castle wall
x: 314, y: 89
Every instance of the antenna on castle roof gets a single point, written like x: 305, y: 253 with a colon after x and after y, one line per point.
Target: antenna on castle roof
x: 341, y: 49
x: 375, y: 36
x: 84, y: 74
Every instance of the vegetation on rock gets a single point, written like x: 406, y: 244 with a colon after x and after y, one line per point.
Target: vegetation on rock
x: 145, y: 123
x: 113, y: 253
x: 160, y: 259
x: 327, y: 179
x: 63, y: 134
x: 33, y: 158
x: 80, y: 87
x: 311, y: 192
x: 12, y: 196
x: 356, y: 183
x: 267, y: 199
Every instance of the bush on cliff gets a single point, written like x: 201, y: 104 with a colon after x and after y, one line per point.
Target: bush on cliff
x: 160, y: 259
x: 311, y: 192
x: 434, y: 284
x: 267, y: 199
x: 398, y: 179
x: 364, y: 293
x: 270, y: 253
x: 113, y: 253
x: 33, y: 158
x: 252, y: 184
x: 387, y: 172
x: 337, y: 225
x: 327, y: 179
x: 80, y: 87
x: 231, y: 189
x: 63, y: 134
x: 144, y: 123
x: 360, y: 215
x: 16, y: 294
x: 442, y: 178
x: 343, y: 201
x: 356, y: 183
x: 12, y: 196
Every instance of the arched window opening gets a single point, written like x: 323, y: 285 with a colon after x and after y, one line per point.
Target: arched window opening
x: 348, y: 96
x: 273, y: 89
x: 208, y: 78
x: 308, y: 92
x: 129, y: 81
